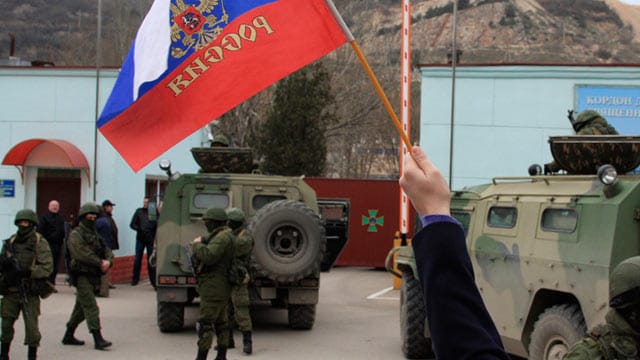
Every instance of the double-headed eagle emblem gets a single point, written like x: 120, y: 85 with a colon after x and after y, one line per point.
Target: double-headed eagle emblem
x: 194, y: 27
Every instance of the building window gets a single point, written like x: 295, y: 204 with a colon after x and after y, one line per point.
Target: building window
x: 155, y: 187
x: 559, y: 220
x: 502, y: 217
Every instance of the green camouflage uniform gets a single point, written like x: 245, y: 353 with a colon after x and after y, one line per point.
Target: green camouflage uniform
x: 40, y: 263
x: 212, y: 259
x: 588, y: 122
x: 614, y: 340
x: 243, y: 245
x: 87, y: 250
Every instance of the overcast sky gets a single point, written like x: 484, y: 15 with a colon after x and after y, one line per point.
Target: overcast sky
x: 634, y: 2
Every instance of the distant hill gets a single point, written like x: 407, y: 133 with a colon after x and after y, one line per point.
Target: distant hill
x: 64, y: 31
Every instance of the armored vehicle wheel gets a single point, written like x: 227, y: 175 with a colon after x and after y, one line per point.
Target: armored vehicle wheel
x: 412, y: 314
x: 170, y: 316
x: 302, y: 316
x: 557, y: 329
x: 289, y: 241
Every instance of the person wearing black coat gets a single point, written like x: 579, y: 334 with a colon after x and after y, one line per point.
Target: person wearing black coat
x: 52, y: 228
x: 145, y: 224
x: 459, y: 323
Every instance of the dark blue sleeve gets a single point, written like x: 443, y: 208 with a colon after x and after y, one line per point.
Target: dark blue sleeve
x: 460, y: 325
x: 103, y: 228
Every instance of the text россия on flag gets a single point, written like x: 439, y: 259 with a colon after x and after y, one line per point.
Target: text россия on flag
x: 194, y: 60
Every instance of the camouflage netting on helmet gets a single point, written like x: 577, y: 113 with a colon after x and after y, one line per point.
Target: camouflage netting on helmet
x: 224, y: 159
x: 582, y: 155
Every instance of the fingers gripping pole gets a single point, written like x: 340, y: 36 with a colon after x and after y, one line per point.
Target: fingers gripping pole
x: 383, y: 97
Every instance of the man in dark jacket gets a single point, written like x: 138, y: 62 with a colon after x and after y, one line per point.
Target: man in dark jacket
x: 459, y: 323
x: 52, y: 228
x: 144, y: 223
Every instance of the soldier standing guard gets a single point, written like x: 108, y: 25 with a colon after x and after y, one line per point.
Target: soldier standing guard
x: 240, y: 277
x: 212, y: 258
x: 90, y: 258
x: 619, y: 338
x: 25, y: 265
x: 588, y: 122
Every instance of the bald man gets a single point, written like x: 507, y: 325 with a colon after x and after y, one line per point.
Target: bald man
x: 52, y: 228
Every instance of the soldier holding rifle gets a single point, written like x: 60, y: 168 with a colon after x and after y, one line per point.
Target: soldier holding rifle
x: 25, y: 265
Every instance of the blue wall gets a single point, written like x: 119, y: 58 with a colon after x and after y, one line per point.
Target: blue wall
x: 56, y: 103
x: 505, y: 114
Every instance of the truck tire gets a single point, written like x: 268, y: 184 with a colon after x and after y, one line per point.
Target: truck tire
x: 412, y: 319
x: 170, y: 316
x: 289, y: 241
x: 557, y: 329
x: 302, y: 317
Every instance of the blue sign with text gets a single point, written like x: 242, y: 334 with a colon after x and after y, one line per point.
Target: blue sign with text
x: 7, y: 188
x: 620, y: 105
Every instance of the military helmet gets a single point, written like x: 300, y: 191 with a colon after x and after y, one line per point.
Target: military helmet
x: 235, y: 214
x: 586, y: 116
x: 216, y: 214
x: 220, y: 140
x: 26, y: 214
x: 624, y: 285
x: 88, y: 208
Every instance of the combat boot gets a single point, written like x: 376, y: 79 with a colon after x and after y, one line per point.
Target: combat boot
x: 100, y: 342
x: 4, y: 353
x: 232, y: 344
x: 32, y: 353
x: 222, y: 353
x: 69, y: 338
x: 202, y: 354
x: 247, y: 344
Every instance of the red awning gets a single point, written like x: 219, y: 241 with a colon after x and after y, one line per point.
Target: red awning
x: 49, y: 153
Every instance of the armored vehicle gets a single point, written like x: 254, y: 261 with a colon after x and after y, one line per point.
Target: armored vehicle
x: 282, y: 215
x: 542, y: 247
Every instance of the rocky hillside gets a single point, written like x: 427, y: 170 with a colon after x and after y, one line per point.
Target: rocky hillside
x: 575, y: 31
x: 487, y: 30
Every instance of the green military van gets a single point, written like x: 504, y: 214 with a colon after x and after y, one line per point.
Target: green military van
x: 282, y: 214
x: 542, y: 247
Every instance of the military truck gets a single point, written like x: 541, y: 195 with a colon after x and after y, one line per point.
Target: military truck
x: 542, y: 247
x: 282, y: 215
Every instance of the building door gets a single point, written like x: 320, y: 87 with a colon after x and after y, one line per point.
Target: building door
x: 62, y: 185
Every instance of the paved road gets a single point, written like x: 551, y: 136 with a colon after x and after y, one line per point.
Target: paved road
x: 356, y: 319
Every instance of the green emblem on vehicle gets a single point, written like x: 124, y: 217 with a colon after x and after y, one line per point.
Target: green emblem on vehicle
x: 373, y: 221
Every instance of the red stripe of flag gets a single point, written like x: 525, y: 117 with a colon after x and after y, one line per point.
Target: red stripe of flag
x: 302, y: 31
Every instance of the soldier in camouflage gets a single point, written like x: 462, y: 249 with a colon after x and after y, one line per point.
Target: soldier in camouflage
x: 239, y: 309
x: 619, y: 338
x: 588, y: 122
x: 212, y: 257
x: 220, y: 141
x: 90, y: 258
x: 25, y: 261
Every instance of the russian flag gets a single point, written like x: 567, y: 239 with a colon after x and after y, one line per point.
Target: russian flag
x: 194, y: 60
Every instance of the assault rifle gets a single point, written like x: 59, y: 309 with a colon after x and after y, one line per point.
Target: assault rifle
x: 17, y: 277
x: 192, y: 269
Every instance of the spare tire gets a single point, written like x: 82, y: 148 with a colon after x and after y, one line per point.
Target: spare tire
x: 289, y: 241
